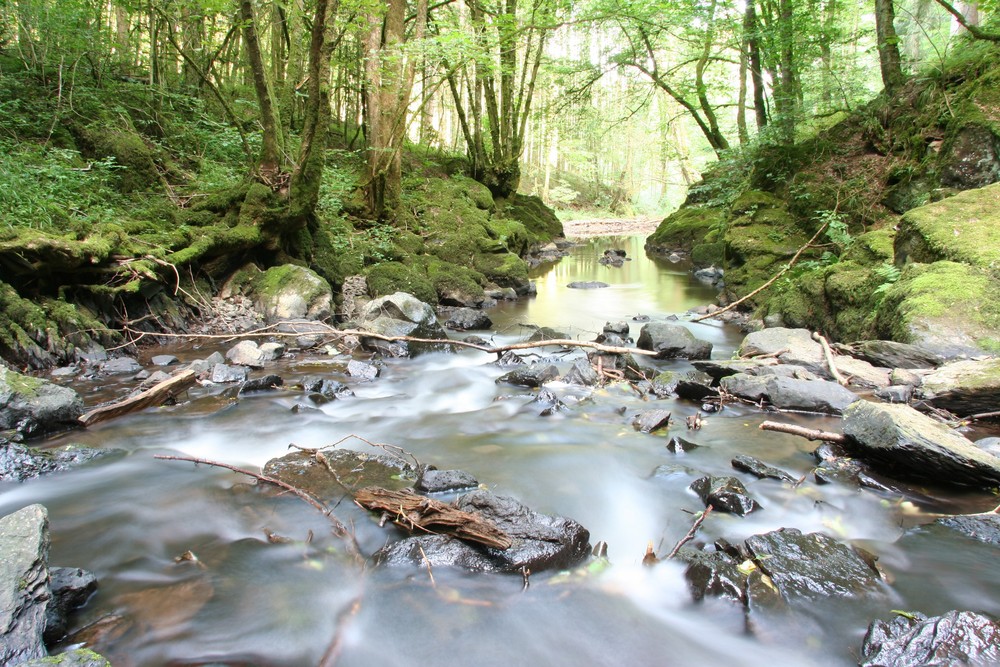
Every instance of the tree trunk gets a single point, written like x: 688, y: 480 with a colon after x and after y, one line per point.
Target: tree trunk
x: 752, y: 26
x: 888, y: 46
x: 270, y: 163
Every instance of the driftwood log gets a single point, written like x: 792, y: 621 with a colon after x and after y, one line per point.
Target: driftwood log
x: 158, y: 394
x: 419, y: 513
x: 803, y: 432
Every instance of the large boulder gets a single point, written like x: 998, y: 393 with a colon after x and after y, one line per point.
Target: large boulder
x: 964, y: 387
x: 789, y: 393
x: 790, y: 346
x: 904, y: 443
x: 292, y: 292
x: 541, y: 541
x: 24, y: 584
x: 402, y: 314
x: 34, y: 406
x: 890, y: 354
x: 913, y: 640
x: 672, y: 341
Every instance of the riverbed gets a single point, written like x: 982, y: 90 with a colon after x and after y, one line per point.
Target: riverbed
x: 198, y: 567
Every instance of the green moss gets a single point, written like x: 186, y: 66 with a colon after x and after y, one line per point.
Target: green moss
x: 391, y: 277
x: 683, y: 228
x: 539, y: 220
x: 291, y: 278
x: 754, y: 200
x: 447, y: 277
x: 506, y: 270
x: 963, y: 228
x: 709, y: 254
x: 872, y: 247
x: 505, y: 235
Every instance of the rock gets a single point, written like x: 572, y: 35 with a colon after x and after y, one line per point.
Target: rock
x: 747, y: 387
x: 982, y: 527
x: 790, y: 346
x: 65, y: 372
x: 362, y: 370
x: 223, y: 373
x: 353, y: 297
x: 895, y: 393
x: 205, y: 365
x: 720, y: 368
x: 120, y: 366
x: 908, y: 444
x: 812, y: 566
x: 534, y: 375
x: 725, y: 494
x: 81, y: 657
x: 34, y: 406
x: 164, y: 360
x: 623, y: 363
x: 651, y: 420
x: 809, y: 395
x: 672, y: 341
x: 783, y: 371
x: 432, y: 480
x: 989, y: 445
x: 902, y: 376
x: 619, y: 328
x: 246, y: 353
x: 19, y: 463
x: 759, y: 469
x: 541, y: 334
x: 550, y: 401
x: 266, y: 383
x: 402, y: 314
x: 695, y: 386
x: 323, y: 391
x: 890, y: 354
x: 613, y: 257
x: 715, y: 574
x: 71, y: 587
x: 581, y: 373
x: 955, y: 638
x: 272, y: 351
x: 465, y: 319
x: 836, y: 466
x: 965, y: 387
x: 710, y: 275
x: 541, y: 542
x: 357, y: 469
x: 24, y: 584
x: 591, y: 284
x: 291, y: 292
x: 509, y: 359
x: 679, y: 445
x: 972, y: 159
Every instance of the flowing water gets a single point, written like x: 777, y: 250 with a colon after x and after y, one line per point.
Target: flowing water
x: 299, y: 601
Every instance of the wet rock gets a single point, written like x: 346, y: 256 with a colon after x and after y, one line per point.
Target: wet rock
x: 674, y: 472
x: 466, y: 319
x: 587, y: 284
x: 477, y: 340
x: 836, y: 466
x: 581, y: 373
x: 955, y: 638
x: 672, y: 341
x: 809, y: 396
x: 164, y: 360
x: 679, y: 445
x: 541, y: 542
x: 432, y: 480
x: 759, y: 469
x: 246, y: 353
x: 907, y: 444
x: 355, y: 469
x: 502, y: 293
x: 811, y: 566
x: 509, y: 359
x: 224, y: 373
x: 901, y: 377
x: 622, y: 363
x: 207, y: 364
x: 402, y: 314
x: 24, y: 585
x: 695, y: 386
x: 640, y: 318
x: 19, y: 463
x: 71, y: 587
x: 651, y: 420
x: 610, y: 339
x: 292, y: 292
x: 549, y: 402
x: 783, y: 371
x: 542, y: 334
x: 965, y: 387
x: 664, y: 384
x: 534, y: 375
x: 266, y: 383
x: 897, y: 393
x: 720, y: 368
x: 890, y: 354
x: 725, y: 494
x: 710, y: 276
x: 619, y: 328
x: 789, y: 346
x: 982, y: 527
x: 33, y: 406
x: 971, y: 159
x: 322, y: 390
x: 989, y: 445
x: 65, y: 372
x: 714, y: 574
x: 120, y: 366
x: 613, y: 257
x: 81, y: 657
x: 747, y: 387
x: 362, y: 370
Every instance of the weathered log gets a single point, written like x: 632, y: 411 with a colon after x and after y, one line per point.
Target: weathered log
x: 158, y: 394
x: 801, y: 431
x: 419, y: 513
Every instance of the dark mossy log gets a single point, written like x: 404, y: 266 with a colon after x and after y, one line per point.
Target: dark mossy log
x: 421, y: 514
x: 158, y: 394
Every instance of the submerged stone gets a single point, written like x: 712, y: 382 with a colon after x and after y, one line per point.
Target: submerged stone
x: 759, y: 469
x: 955, y: 638
x: 651, y: 420
x: 725, y: 494
x: 534, y: 375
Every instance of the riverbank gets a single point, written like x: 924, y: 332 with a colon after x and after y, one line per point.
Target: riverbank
x: 587, y: 228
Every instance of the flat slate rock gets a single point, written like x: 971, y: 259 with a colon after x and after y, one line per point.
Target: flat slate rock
x: 965, y: 387
x: 759, y: 469
x: 534, y: 375
x: 952, y: 639
x: 982, y: 527
x: 442, y: 481
x: 651, y: 420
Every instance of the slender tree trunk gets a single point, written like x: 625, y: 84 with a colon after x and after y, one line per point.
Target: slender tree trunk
x: 888, y: 46
x: 270, y: 164
x: 752, y: 27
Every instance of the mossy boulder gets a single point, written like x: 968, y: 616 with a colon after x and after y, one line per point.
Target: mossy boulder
x: 946, y: 307
x: 684, y: 228
x: 540, y: 222
x: 962, y: 228
x: 36, y: 406
x: 391, y: 277
x: 290, y: 291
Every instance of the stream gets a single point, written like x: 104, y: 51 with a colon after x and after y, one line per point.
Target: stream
x: 296, y: 600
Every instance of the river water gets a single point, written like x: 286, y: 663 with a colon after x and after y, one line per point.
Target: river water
x: 247, y: 601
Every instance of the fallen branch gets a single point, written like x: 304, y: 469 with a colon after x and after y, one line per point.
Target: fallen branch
x: 691, y: 532
x: 339, y: 529
x: 158, y: 394
x: 770, y: 282
x: 984, y: 415
x: 828, y: 354
x: 803, y: 432
x: 412, y: 512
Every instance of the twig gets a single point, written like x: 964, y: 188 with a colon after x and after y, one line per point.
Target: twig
x: 828, y: 354
x: 691, y: 532
x: 803, y: 432
x: 427, y: 562
x: 984, y: 415
x: 333, y: 650
x: 770, y: 282
x: 338, y: 526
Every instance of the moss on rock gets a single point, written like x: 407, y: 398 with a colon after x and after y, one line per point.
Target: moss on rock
x: 684, y: 228
x: 963, y: 228
x: 391, y: 277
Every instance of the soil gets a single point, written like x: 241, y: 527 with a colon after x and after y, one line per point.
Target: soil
x: 609, y: 227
